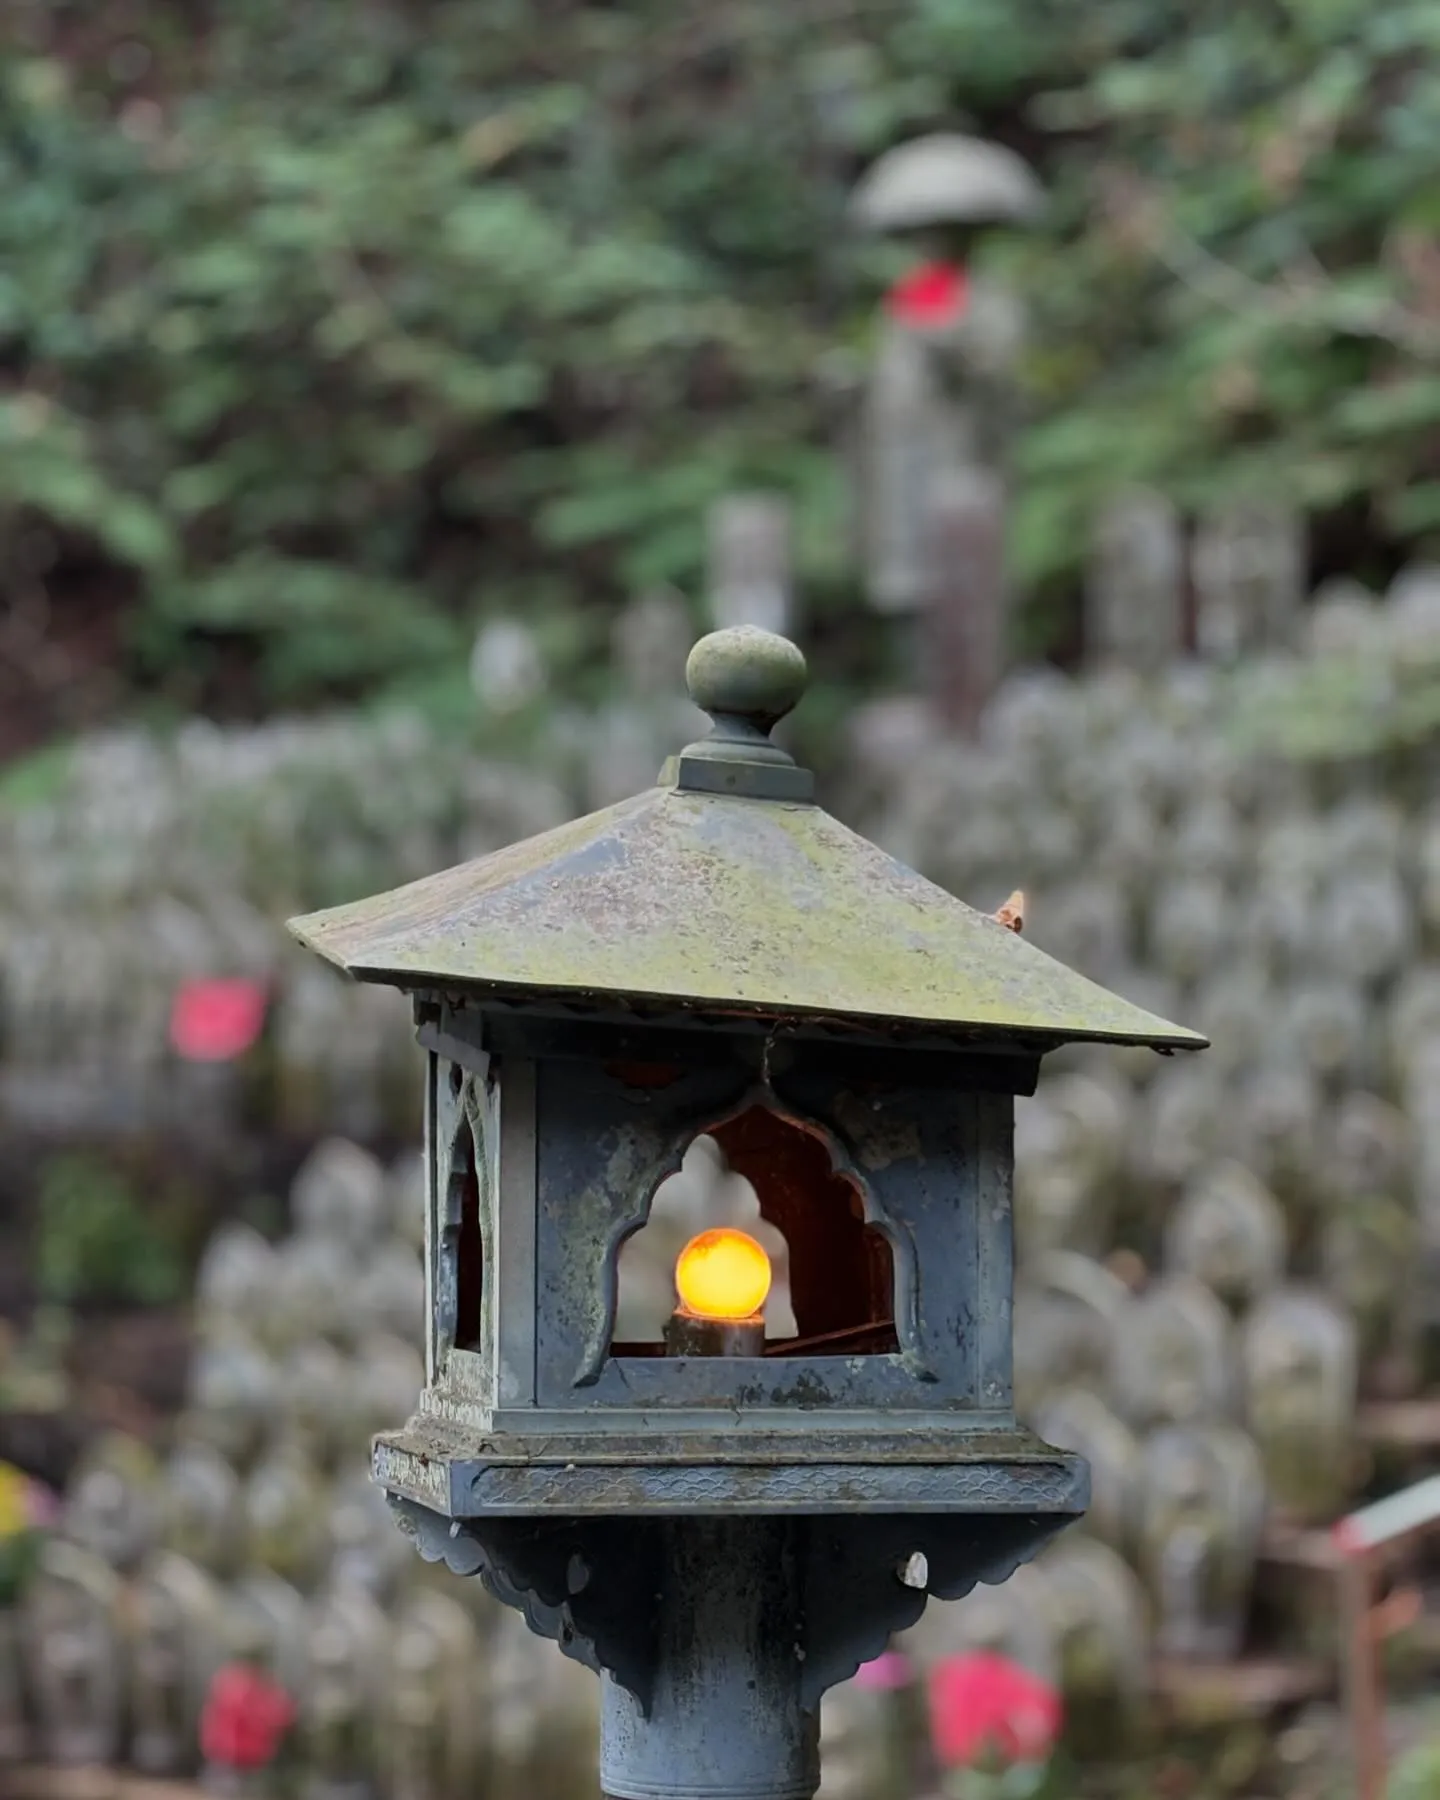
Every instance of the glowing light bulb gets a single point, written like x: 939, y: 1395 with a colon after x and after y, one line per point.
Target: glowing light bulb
x: 722, y: 1274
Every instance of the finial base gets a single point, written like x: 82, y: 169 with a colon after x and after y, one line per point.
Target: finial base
x: 694, y: 773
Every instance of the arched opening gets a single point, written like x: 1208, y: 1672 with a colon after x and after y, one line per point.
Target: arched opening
x: 464, y: 1246
x: 833, y: 1285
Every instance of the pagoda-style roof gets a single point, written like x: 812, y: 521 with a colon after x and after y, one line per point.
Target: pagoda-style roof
x: 725, y: 901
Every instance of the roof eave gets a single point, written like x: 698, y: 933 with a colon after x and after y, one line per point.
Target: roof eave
x: 987, y: 1030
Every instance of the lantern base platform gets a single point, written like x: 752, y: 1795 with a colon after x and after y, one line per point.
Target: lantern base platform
x: 745, y: 1472
x: 604, y: 1587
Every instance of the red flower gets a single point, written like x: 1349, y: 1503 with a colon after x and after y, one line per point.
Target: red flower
x: 245, y: 1716
x: 216, y: 1021
x: 986, y: 1704
x: 933, y: 295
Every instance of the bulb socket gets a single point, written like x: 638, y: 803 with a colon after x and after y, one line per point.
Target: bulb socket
x: 687, y: 1334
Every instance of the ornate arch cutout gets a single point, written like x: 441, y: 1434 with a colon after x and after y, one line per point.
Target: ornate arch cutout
x: 646, y: 1179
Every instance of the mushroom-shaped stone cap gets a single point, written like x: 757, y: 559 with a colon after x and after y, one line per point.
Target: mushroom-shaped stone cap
x: 945, y: 179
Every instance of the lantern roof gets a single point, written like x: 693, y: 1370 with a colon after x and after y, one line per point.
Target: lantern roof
x: 724, y: 888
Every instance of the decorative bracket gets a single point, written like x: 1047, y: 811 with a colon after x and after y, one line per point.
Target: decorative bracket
x: 590, y: 1584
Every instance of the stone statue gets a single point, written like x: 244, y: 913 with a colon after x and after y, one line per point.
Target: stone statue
x: 265, y: 1624
x: 1186, y: 1112
x: 1228, y: 1231
x: 1189, y: 927
x: 407, y: 1199
x: 112, y: 1504
x: 1174, y: 1361
x: 200, y: 1507
x: 1098, y: 1614
x: 73, y: 1655
x: 390, y: 1294
x: 341, y: 1695
x: 1069, y: 1150
x: 1084, y: 1306
x: 1248, y: 566
x: 1009, y: 1620
x: 233, y: 1396
x: 232, y: 1284
x: 1075, y: 1419
x: 939, y: 412
x: 284, y: 1515
x: 1300, y: 1381
x: 1135, y: 583
x: 1235, y: 1009
x: 176, y: 1644
x: 340, y: 1196
x: 543, y: 1716
x: 1369, y: 1252
x: 748, y: 577
x: 871, y: 1731
x: 386, y: 1379
x: 1277, y: 1133
x: 433, y: 1737
x: 1371, y: 1147
x: 366, y: 1551
x: 313, y: 1293
x: 318, y: 1410
x: 1201, y: 1513
x: 1326, y: 1023
x: 1364, y: 928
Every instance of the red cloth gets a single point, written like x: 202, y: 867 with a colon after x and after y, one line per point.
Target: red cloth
x: 985, y: 1704
x: 934, y: 294
x: 216, y: 1021
x: 245, y: 1716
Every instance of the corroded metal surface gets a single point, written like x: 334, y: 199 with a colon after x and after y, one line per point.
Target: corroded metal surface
x: 576, y: 1579
x: 765, y: 907
x: 941, y: 1472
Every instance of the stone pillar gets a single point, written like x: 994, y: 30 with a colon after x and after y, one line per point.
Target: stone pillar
x: 725, y: 1720
x: 749, y: 573
x: 961, y: 640
x: 1135, y: 583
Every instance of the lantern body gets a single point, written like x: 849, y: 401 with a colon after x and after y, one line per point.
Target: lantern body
x: 888, y: 1172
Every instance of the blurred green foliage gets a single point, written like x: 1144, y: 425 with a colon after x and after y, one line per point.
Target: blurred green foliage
x: 336, y: 327
x: 1416, y: 1774
x: 95, y: 1241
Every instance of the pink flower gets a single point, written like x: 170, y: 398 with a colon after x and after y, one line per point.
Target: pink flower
x: 885, y: 1673
x: 933, y: 295
x: 216, y: 1021
x: 245, y: 1716
x: 986, y: 1705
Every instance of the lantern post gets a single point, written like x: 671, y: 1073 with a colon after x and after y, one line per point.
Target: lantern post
x: 723, y: 1523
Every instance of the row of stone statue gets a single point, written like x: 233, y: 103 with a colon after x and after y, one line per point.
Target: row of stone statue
x: 1220, y: 1257
x: 427, y: 1691
x: 258, y: 1538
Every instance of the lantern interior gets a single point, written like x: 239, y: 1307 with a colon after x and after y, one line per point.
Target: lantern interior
x: 834, y: 1291
x: 465, y: 1253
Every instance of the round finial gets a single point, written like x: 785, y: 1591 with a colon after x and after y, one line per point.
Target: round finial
x: 746, y: 673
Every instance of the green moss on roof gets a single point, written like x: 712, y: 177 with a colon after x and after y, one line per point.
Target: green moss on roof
x: 704, y: 900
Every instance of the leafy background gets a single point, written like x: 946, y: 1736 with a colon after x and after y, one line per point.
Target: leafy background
x: 327, y: 330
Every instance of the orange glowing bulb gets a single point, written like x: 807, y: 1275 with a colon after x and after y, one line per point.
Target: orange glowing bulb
x: 722, y: 1274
